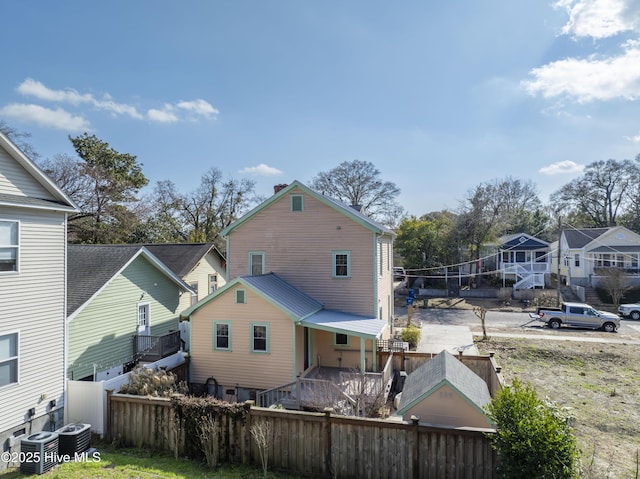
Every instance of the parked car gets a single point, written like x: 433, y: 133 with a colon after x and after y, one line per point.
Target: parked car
x: 577, y: 314
x: 399, y: 273
x: 629, y: 311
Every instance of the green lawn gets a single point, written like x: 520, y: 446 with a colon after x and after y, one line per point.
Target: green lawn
x: 111, y: 463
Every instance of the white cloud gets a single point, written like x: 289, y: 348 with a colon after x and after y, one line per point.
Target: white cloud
x: 600, y: 18
x: 590, y: 79
x: 31, y: 87
x: 166, y: 115
x: 562, y: 167
x: 633, y: 139
x: 169, y: 113
x: 261, y: 170
x: 199, y: 107
x: 58, y: 118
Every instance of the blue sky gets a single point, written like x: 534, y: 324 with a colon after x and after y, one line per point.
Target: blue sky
x: 440, y: 96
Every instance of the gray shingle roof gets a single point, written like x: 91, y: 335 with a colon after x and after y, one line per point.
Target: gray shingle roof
x: 180, y: 258
x: 579, y: 238
x: 90, y: 267
x: 444, y: 368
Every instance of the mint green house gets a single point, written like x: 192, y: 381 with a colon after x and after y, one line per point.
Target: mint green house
x: 122, y: 308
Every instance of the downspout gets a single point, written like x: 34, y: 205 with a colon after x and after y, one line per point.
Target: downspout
x: 65, y: 339
x: 363, y: 358
x: 375, y: 274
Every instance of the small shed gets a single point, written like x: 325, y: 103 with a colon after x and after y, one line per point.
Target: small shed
x: 445, y: 392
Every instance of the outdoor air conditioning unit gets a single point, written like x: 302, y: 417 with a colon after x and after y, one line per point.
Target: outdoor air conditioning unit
x: 39, y: 452
x: 74, y: 438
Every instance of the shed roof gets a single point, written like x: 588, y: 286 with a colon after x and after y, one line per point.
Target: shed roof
x: 443, y: 369
x: 299, y: 306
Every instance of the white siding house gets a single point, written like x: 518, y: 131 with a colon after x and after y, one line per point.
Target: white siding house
x: 33, y: 221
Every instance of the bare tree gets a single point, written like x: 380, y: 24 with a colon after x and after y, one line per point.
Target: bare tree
x: 602, y: 192
x: 358, y: 183
x: 200, y: 215
x: 615, y: 281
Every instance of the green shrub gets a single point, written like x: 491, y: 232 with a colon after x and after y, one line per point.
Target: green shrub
x: 534, y: 438
x: 411, y: 335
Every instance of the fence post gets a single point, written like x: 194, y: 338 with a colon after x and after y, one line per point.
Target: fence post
x: 247, y: 456
x: 416, y: 447
x: 327, y: 442
x: 108, y: 424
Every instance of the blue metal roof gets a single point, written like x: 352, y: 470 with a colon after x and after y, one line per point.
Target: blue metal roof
x: 341, y: 322
x: 283, y: 294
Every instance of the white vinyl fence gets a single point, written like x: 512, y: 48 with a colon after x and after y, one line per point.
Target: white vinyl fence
x: 87, y: 400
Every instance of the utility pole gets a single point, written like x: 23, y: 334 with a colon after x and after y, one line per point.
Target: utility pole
x: 559, y: 259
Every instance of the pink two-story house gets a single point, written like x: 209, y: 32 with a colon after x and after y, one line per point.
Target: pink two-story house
x: 310, y: 287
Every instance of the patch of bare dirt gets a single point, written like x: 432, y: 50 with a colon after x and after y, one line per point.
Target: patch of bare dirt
x: 599, y: 382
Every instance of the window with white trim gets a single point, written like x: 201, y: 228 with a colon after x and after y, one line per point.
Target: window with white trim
x: 222, y: 335
x: 341, y: 264
x: 194, y: 297
x: 8, y: 359
x: 9, y: 246
x: 213, y: 283
x: 256, y: 263
x: 259, y: 338
x: 144, y: 319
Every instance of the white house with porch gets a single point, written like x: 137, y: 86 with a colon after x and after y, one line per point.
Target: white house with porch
x: 524, y: 259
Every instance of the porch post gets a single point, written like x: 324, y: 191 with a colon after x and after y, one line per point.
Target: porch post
x: 294, y: 372
x: 363, y: 358
x: 374, y: 352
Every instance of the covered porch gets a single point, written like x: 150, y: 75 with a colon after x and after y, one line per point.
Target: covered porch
x: 340, y: 369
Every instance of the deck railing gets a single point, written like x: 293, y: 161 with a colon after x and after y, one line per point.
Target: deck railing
x: 152, y: 348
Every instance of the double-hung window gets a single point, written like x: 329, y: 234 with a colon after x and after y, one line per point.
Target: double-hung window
x: 341, y: 264
x: 259, y: 338
x: 8, y: 359
x: 9, y: 245
x: 256, y: 263
x: 222, y: 339
x: 213, y: 283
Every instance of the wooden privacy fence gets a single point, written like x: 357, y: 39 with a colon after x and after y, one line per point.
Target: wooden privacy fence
x: 315, y: 444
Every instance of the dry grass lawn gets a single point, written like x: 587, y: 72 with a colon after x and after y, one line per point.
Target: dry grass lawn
x: 600, y: 383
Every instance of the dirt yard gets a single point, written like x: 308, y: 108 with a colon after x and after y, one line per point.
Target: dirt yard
x: 599, y: 382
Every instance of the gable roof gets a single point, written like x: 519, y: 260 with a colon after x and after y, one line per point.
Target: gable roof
x: 61, y: 203
x: 438, y: 371
x: 343, y: 208
x: 90, y: 268
x: 299, y: 306
x: 521, y: 241
x: 579, y: 238
x: 182, y: 258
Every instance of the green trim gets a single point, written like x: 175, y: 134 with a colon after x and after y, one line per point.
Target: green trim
x: 252, y: 331
x: 263, y: 260
x: 295, y: 348
x: 244, y: 296
x: 334, y: 255
x: 296, y: 207
x: 346, y: 211
x: 215, y: 335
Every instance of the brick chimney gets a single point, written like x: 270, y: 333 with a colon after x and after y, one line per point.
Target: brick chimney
x: 279, y: 187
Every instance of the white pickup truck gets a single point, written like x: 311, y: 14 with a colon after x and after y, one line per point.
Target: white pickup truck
x: 577, y: 314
